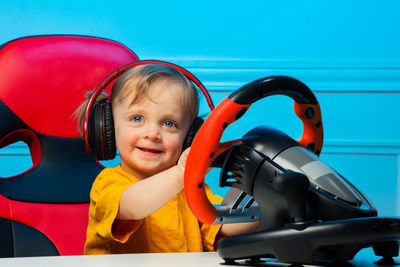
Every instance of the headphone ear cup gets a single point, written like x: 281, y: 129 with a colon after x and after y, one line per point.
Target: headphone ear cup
x: 101, y: 131
x: 194, y: 128
x: 109, y: 145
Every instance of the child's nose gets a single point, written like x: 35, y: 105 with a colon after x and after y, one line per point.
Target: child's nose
x: 153, y: 132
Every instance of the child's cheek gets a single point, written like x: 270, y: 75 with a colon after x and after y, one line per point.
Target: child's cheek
x: 174, y: 145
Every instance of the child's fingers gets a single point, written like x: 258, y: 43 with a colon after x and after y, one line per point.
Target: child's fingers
x: 186, y: 151
x: 183, y: 158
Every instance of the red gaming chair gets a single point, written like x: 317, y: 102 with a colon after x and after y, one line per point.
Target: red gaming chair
x: 43, y: 79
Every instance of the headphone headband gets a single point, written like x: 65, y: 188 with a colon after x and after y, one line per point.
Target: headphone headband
x: 112, y: 76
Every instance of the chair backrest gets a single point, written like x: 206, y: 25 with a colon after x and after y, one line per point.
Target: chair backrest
x: 43, y: 79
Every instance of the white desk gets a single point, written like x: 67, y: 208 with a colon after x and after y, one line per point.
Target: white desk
x: 209, y: 259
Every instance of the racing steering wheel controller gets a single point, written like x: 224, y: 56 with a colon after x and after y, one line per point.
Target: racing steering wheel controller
x: 307, y: 212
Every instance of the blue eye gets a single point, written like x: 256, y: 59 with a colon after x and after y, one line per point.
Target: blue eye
x: 137, y: 119
x: 169, y: 124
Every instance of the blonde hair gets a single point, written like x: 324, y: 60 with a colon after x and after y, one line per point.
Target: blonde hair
x: 136, y: 82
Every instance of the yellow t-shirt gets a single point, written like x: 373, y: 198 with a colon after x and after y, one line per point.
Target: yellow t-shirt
x: 173, y: 228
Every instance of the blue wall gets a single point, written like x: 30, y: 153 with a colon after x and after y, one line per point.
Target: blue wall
x: 346, y: 51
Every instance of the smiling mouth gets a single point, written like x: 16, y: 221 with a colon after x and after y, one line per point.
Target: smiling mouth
x: 149, y: 150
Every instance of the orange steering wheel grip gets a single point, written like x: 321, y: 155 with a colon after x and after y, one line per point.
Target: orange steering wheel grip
x: 313, y: 132
x: 206, y: 145
x: 207, y: 141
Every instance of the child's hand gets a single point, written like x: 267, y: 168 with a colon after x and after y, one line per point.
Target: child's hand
x: 182, y: 160
x: 182, y: 163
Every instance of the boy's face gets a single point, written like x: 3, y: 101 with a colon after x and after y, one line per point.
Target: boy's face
x: 149, y: 134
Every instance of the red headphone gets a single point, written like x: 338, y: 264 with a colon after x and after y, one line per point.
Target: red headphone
x: 99, y: 125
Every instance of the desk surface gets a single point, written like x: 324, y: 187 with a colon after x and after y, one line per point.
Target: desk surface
x: 209, y: 259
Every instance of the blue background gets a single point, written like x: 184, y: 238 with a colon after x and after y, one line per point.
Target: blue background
x: 347, y: 52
